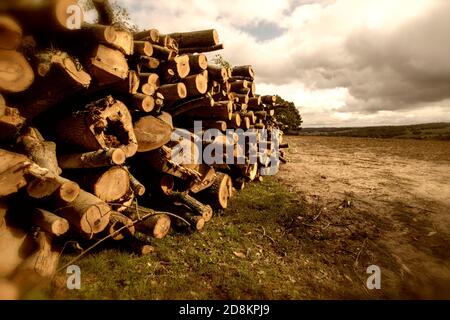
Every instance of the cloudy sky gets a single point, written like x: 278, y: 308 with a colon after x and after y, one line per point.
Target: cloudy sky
x: 343, y: 62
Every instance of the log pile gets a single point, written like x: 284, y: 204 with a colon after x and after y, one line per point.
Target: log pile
x: 94, y: 118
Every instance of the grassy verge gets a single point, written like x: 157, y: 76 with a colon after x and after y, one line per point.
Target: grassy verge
x: 243, y: 253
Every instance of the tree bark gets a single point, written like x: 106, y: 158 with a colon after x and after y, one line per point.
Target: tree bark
x: 87, y: 214
x: 179, y: 109
x: 238, y: 85
x: 50, y: 222
x: 103, y: 124
x: 200, y: 49
x: 217, y: 73
x: 42, y: 152
x: 151, y: 35
x: 203, y: 38
x: 11, y: 122
x: 197, y: 62
x: 137, y: 187
x: 243, y: 71
x: 196, y: 84
x: 118, y: 221
x: 62, y: 78
x: 142, y: 102
x: 13, y: 168
x: 105, y: 11
x: 149, y: 62
x: 220, y: 191
x: 94, y: 159
x: 173, y: 92
x: 196, y: 206
x: 143, y: 48
x: 157, y: 226
x: 163, y: 53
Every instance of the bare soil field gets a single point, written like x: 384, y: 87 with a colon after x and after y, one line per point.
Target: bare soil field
x: 373, y: 201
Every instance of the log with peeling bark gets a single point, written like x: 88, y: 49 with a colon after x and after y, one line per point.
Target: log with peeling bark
x: 137, y: 187
x: 11, y: 122
x: 235, y: 121
x: 142, y: 102
x: 212, y: 124
x: 255, y: 104
x: 217, y: 73
x: 196, y: 222
x: 151, y: 35
x: 143, y: 48
x: 243, y: 71
x: 61, y: 77
x: 105, y: 123
x: 222, y: 110
x: 13, y: 170
x: 202, y: 38
x: 50, y: 222
x: 117, y: 222
x: 42, y: 152
x: 196, y: 84
x: 196, y: 206
x: 156, y: 225
x: 162, y: 53
x: 161, y: 161
x: 108, y: 184
x: 93, y: 159
x: 220, y: 191
x: 87, y: 214
x: 113, y: 36
x: 179, y: 65
x: 173, y: 92
x: 197, y: 62
x: 239, y: 84
x: 182, y: 108
x: 245, y: 123
x: 149, y: 62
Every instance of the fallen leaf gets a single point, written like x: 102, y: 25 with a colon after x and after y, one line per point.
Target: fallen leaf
x: 239, y: 254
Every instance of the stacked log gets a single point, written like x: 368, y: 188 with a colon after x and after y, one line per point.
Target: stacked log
x: 110, y: 116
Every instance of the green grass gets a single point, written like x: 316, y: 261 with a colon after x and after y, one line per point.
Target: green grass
x: 204, y: 265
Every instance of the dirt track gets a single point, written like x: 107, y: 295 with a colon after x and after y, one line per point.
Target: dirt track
x: 374, y: 201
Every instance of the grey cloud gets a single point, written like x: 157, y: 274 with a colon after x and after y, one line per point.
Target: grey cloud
x: 397, y: 70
